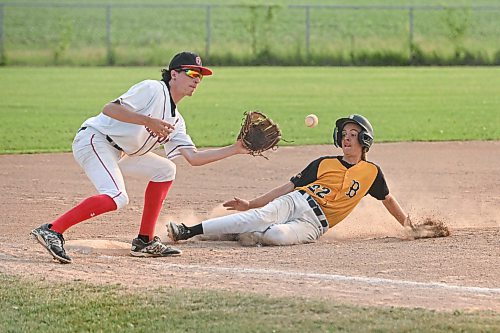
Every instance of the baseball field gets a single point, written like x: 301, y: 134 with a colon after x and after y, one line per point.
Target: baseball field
x: 437, y: 136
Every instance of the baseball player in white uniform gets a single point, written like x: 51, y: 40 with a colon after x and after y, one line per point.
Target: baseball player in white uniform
x: 120, y: 141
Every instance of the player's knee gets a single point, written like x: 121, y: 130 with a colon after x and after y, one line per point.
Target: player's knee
x: 278, y: 236
x: 165, y: 174
x: 121, y: 200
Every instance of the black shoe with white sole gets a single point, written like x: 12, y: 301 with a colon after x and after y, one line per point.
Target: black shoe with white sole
x: 52, y: 241
x: 178, y: 232
x: 153, y: 248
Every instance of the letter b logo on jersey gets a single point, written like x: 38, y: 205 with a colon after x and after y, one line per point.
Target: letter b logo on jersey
x: 353, y: 189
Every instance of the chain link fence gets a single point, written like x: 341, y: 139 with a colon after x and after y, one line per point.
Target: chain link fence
x: 141, y: 34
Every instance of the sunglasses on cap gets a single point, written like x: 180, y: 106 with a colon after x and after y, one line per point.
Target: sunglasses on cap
x: 191, y: 73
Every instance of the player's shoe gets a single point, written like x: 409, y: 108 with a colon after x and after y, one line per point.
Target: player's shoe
x: 178, y: 232
x: 154, y: 248
x: 52, y: 241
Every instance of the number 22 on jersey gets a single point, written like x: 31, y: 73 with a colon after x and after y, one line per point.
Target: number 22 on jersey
x: 318, y: 190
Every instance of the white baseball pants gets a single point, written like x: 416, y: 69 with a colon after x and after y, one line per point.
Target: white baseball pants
x: 286, y: 220
x: 105, y: 165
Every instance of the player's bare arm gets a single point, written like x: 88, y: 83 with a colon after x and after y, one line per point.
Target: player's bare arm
x: 241, y: 204
x: 395, y: 209
x: 200, y: 157
x: 123, y: 113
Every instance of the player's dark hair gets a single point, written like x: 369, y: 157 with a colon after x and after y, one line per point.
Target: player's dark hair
x: 363, y: 153
x: 166, y: 77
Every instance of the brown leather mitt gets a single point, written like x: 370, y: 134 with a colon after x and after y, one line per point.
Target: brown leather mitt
x: 259, y: 133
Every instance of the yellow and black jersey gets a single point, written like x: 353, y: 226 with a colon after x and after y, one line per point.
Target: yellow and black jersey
x: 338, y: 186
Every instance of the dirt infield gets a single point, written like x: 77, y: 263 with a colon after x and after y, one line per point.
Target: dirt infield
x: 363, y: 260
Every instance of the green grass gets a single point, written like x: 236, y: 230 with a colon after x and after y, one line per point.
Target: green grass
x: 29, y: 306
x: 41, y: 108
x: 248, y: 34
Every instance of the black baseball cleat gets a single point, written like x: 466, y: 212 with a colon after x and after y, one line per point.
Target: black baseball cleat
x: 178, y: 232
x: 52, y: 241
x: 153, y: 248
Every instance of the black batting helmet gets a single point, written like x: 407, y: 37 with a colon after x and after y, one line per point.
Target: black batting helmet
x: 365, y: 137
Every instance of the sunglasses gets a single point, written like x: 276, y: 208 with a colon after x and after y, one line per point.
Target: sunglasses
x: 191, y: 73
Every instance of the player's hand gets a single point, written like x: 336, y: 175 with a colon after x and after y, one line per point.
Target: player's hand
x: 237, y: 204
x: 160, y: 127
x: 408, y: 223
x: 409, y: 227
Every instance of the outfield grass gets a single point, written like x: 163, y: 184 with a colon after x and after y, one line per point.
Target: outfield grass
x: 29, y: 306
x: 243, y: 33
x: 41, y: 108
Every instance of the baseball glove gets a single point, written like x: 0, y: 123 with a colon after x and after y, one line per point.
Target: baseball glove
x: 258, y: 133
x: 427, y: 228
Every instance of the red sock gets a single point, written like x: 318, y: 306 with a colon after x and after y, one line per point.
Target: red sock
x: 86, y: 209
x: 156, y: 192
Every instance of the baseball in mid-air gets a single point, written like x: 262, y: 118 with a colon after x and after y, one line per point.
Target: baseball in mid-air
x: 311, y: 120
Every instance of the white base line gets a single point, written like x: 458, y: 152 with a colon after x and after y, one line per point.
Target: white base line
x: 335, y: 277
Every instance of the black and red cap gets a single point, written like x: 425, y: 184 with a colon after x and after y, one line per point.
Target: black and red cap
x: 189, y: 60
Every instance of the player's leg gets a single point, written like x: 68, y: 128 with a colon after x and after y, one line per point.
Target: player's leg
x: 280, y: 210
x: 305, y: 227
x: 100, y: 162
x: 160, y: 172
x: 299, y: 231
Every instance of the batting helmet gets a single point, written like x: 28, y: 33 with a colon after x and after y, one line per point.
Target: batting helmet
x: 365, y: 137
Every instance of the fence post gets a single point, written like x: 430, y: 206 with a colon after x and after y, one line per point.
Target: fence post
x: 410, y: 31
x: 308, y: 28
x: 208, y: 32
x: 2, y: 55
x: 109, y: 51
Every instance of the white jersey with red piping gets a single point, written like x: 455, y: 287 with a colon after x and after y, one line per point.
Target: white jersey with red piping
x: 150, y: 98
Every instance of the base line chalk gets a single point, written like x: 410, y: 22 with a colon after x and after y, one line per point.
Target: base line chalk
x: 334, y: 277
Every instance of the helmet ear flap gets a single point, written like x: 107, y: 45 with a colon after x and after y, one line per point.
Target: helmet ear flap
x: 365, y: 139
x: 361, y: 137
